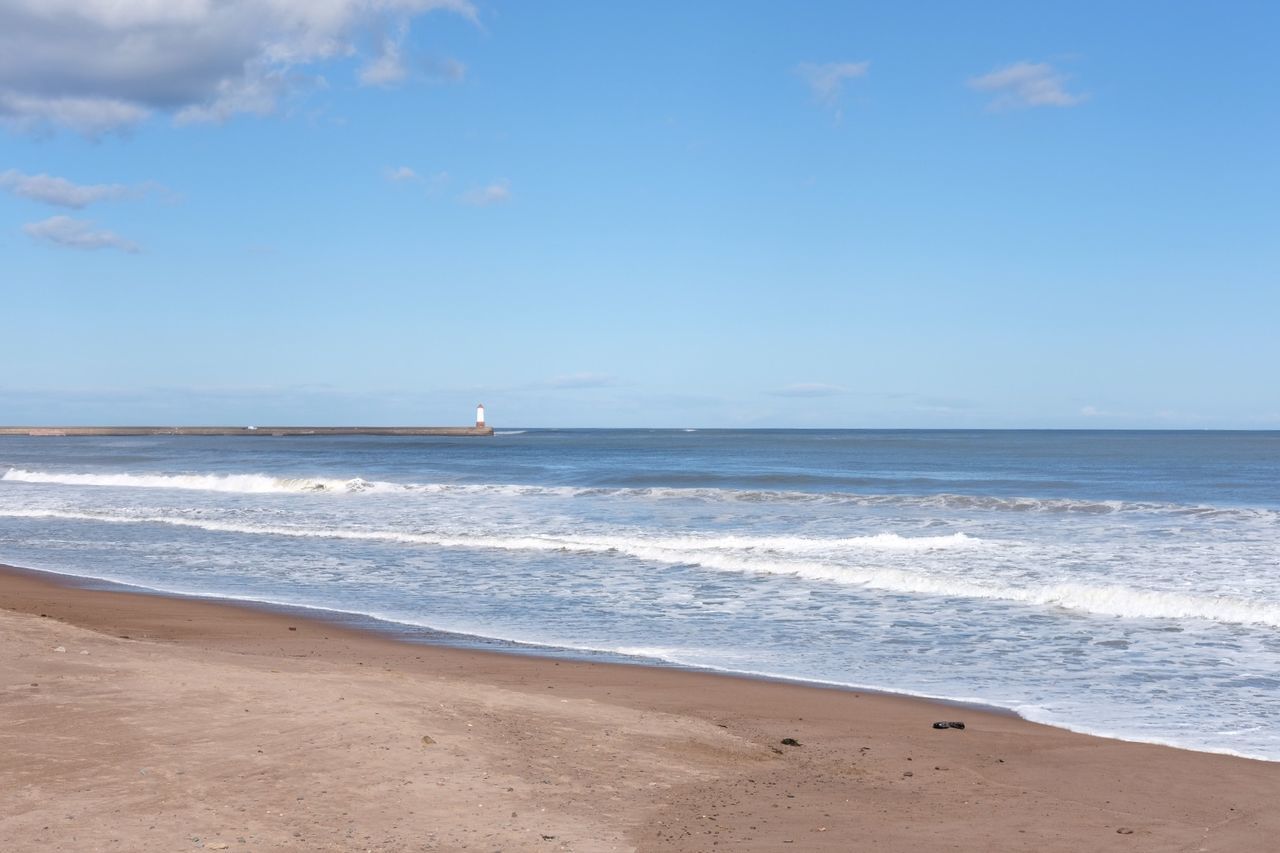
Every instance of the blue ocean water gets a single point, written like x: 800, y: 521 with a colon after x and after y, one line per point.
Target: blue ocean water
x: 1119, y: 583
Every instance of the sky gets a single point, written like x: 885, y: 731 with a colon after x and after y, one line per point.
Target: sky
x: 657, y: 214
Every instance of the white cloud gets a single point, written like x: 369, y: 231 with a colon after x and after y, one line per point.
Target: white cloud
x: 445, y: 70
x: 1027, y: 84
x: 809, y: 389
x: 101, y: 65
x: 495, y: 193
x: 401, y: 174
x: 256, y: 93
x: 61, y: 192
x: 90, y: 116
x: 432, y: 184
x: 387, y: 67
x: 826, y: 80
x: 77, y: 234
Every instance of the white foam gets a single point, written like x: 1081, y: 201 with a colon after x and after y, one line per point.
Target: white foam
x: 267, y: 484
x: 659, y: 653
x: 813, y: 545
x: 737, y: 555
x: 1037, y: 714
x: 663, y: 549
x: 242, y: 483
x: 257, y: 483
x: 698, y: 658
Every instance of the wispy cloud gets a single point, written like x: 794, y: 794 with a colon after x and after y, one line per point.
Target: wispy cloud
x: 1026, y: 84
x: 390, y: 66
x: 77, y: 234
x: 437, y: 182
x: 89, y: 116
x: 826, y: 80
x: 942, y: 405
x: 433, y: 184
x: 497, y: 192
x: 809, y: 389
x: 387, y: 68
x: 582, y: 380
x: 444, y: 70
x: 253, y: 94
x: 401, y: 174
x: 1141, y: 415
x: 58, y: 191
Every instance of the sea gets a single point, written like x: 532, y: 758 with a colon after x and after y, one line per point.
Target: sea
x: 1124, y: 584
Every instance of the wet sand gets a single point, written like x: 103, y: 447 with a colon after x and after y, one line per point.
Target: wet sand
x: 138, y: 722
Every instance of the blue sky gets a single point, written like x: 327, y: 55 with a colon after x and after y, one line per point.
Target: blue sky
x: 645, y: 214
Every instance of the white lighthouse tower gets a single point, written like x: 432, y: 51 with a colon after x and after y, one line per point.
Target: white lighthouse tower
x: 479, y: 415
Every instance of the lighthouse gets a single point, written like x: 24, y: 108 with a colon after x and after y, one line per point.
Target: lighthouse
x: 479, y: 415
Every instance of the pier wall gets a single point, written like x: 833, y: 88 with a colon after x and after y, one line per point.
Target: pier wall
x: 245, y: 431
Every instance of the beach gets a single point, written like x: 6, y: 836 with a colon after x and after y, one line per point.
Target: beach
x: 1115, y: 584
x: 852, y: 427
x: 140, y: 722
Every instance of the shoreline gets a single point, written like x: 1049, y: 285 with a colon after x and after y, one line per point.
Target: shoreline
x: 408, y: 632
x: 164, y: 719
x: 426, y: 635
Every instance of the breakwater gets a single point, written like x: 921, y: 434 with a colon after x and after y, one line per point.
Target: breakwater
x: 245, y: 430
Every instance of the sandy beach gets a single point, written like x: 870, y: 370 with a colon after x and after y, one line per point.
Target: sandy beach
x: 138, y: 722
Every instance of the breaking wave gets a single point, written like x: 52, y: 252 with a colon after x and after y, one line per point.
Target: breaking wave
x: 826, y: 560
x: 266, y: 484
x: 241, y: 483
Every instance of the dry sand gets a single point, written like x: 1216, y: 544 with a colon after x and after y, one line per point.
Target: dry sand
x: 136, y: 722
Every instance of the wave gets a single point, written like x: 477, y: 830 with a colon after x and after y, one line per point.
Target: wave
x: 667, y: 549
x: 240, y: 483
x: 802, y: 544
x: 256, y: 483
x: 783, y: 556
x: 696, y: 659
x: 510, y: 431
